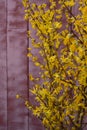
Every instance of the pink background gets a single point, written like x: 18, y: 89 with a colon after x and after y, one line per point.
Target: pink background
x: 15, y: 67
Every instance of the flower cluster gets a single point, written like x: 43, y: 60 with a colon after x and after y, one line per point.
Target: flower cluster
x: 61, y: 85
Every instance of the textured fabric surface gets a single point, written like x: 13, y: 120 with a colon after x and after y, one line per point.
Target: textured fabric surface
x: 15, y: 67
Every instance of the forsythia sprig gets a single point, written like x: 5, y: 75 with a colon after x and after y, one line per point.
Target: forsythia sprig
x: 61, y: 85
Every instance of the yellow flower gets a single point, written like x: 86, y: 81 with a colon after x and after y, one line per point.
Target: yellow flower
x: 57, y: 25
x: 17, y: 96
x: 37, y: 63
x: 26, y: 103
x: 29, y: 54
x: 31, y: 77
x: 70, y: 3
x: 72, y: 48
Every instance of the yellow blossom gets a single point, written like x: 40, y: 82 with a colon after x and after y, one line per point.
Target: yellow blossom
x: 17, y: 96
